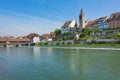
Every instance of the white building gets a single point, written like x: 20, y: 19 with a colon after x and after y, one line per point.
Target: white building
x: 69, y: 26
x: 36, y: 40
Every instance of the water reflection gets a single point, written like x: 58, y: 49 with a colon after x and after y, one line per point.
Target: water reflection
x: 1, y: 63
x: 72, y: 62
x: 50, y: 49
x: 35, y: 63
x: 36, y: 52
x: 8, y: 50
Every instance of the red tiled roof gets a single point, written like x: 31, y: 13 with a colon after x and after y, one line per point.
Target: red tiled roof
x: 52, y: 33
x: 114, y: 16
x: 14, y: 39
x: 103, y: 18
x: 90, y: 23
x: 3, y: 39
x: 46, y: 36
x: 31, y: 35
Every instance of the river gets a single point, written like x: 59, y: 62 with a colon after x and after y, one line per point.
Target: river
x: 51, y: 63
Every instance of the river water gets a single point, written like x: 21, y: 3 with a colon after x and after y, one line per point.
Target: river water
x: 50, y: 63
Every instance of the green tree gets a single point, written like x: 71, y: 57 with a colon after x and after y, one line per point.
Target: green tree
x: 65, y: 38
x: 86, y: 34
x: 67, y: 33
x: 57, y: 32
x: 118, y: 35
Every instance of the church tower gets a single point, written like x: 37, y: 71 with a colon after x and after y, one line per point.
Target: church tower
x: 81, y: 20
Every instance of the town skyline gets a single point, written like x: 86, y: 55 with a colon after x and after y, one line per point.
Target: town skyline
x: 44, y: 17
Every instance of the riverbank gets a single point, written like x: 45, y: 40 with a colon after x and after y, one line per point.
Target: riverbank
x: 80, y: 45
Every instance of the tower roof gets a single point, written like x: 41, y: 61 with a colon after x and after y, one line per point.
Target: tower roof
x: 81, y: 13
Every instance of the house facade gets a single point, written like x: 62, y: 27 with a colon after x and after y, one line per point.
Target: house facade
x: 36, y: 39
x: 102, y: 22
x: 92, y: 25
x: 69, y: 26
x: 114, y: 20
x: 48, y: 37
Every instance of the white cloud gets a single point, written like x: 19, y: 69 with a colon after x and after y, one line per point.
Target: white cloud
x: 15, y: 24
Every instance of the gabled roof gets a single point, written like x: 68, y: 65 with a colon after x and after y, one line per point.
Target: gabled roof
x: 103, y: 18
x: 67, y: 24
x: 46, y: 36
x: 31, y: 35
x: 89, y: 23
x: 114, y: 16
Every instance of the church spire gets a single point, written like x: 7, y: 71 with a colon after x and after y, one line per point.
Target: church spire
x: 82, y: 12
x: 81, y: 19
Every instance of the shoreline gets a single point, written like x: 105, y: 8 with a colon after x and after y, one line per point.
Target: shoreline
x: 81, y: 45
x: 85, y: 48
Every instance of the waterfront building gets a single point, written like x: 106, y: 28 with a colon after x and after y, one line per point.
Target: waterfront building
x: 31, y: 35
x: 34, y: 37
x: 52, y: 34
x: 69, y: 26
x: 35, y: 40
x: 114, y: 20
x: 102, y: 22
x: 47, y: 37
x: 92, y: 24
x: 101, y: 25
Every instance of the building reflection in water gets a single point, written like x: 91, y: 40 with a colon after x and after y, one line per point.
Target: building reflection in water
x: 1, y: 63
x: 36, y: 51
x: 50, y: 51
x: 73, y: 60
x: 8, y: 50
x: 79, y: 61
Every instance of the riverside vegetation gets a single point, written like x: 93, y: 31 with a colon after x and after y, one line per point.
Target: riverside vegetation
x: 85, y: 35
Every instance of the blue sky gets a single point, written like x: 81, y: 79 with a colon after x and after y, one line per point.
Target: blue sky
x: 21, y: 17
